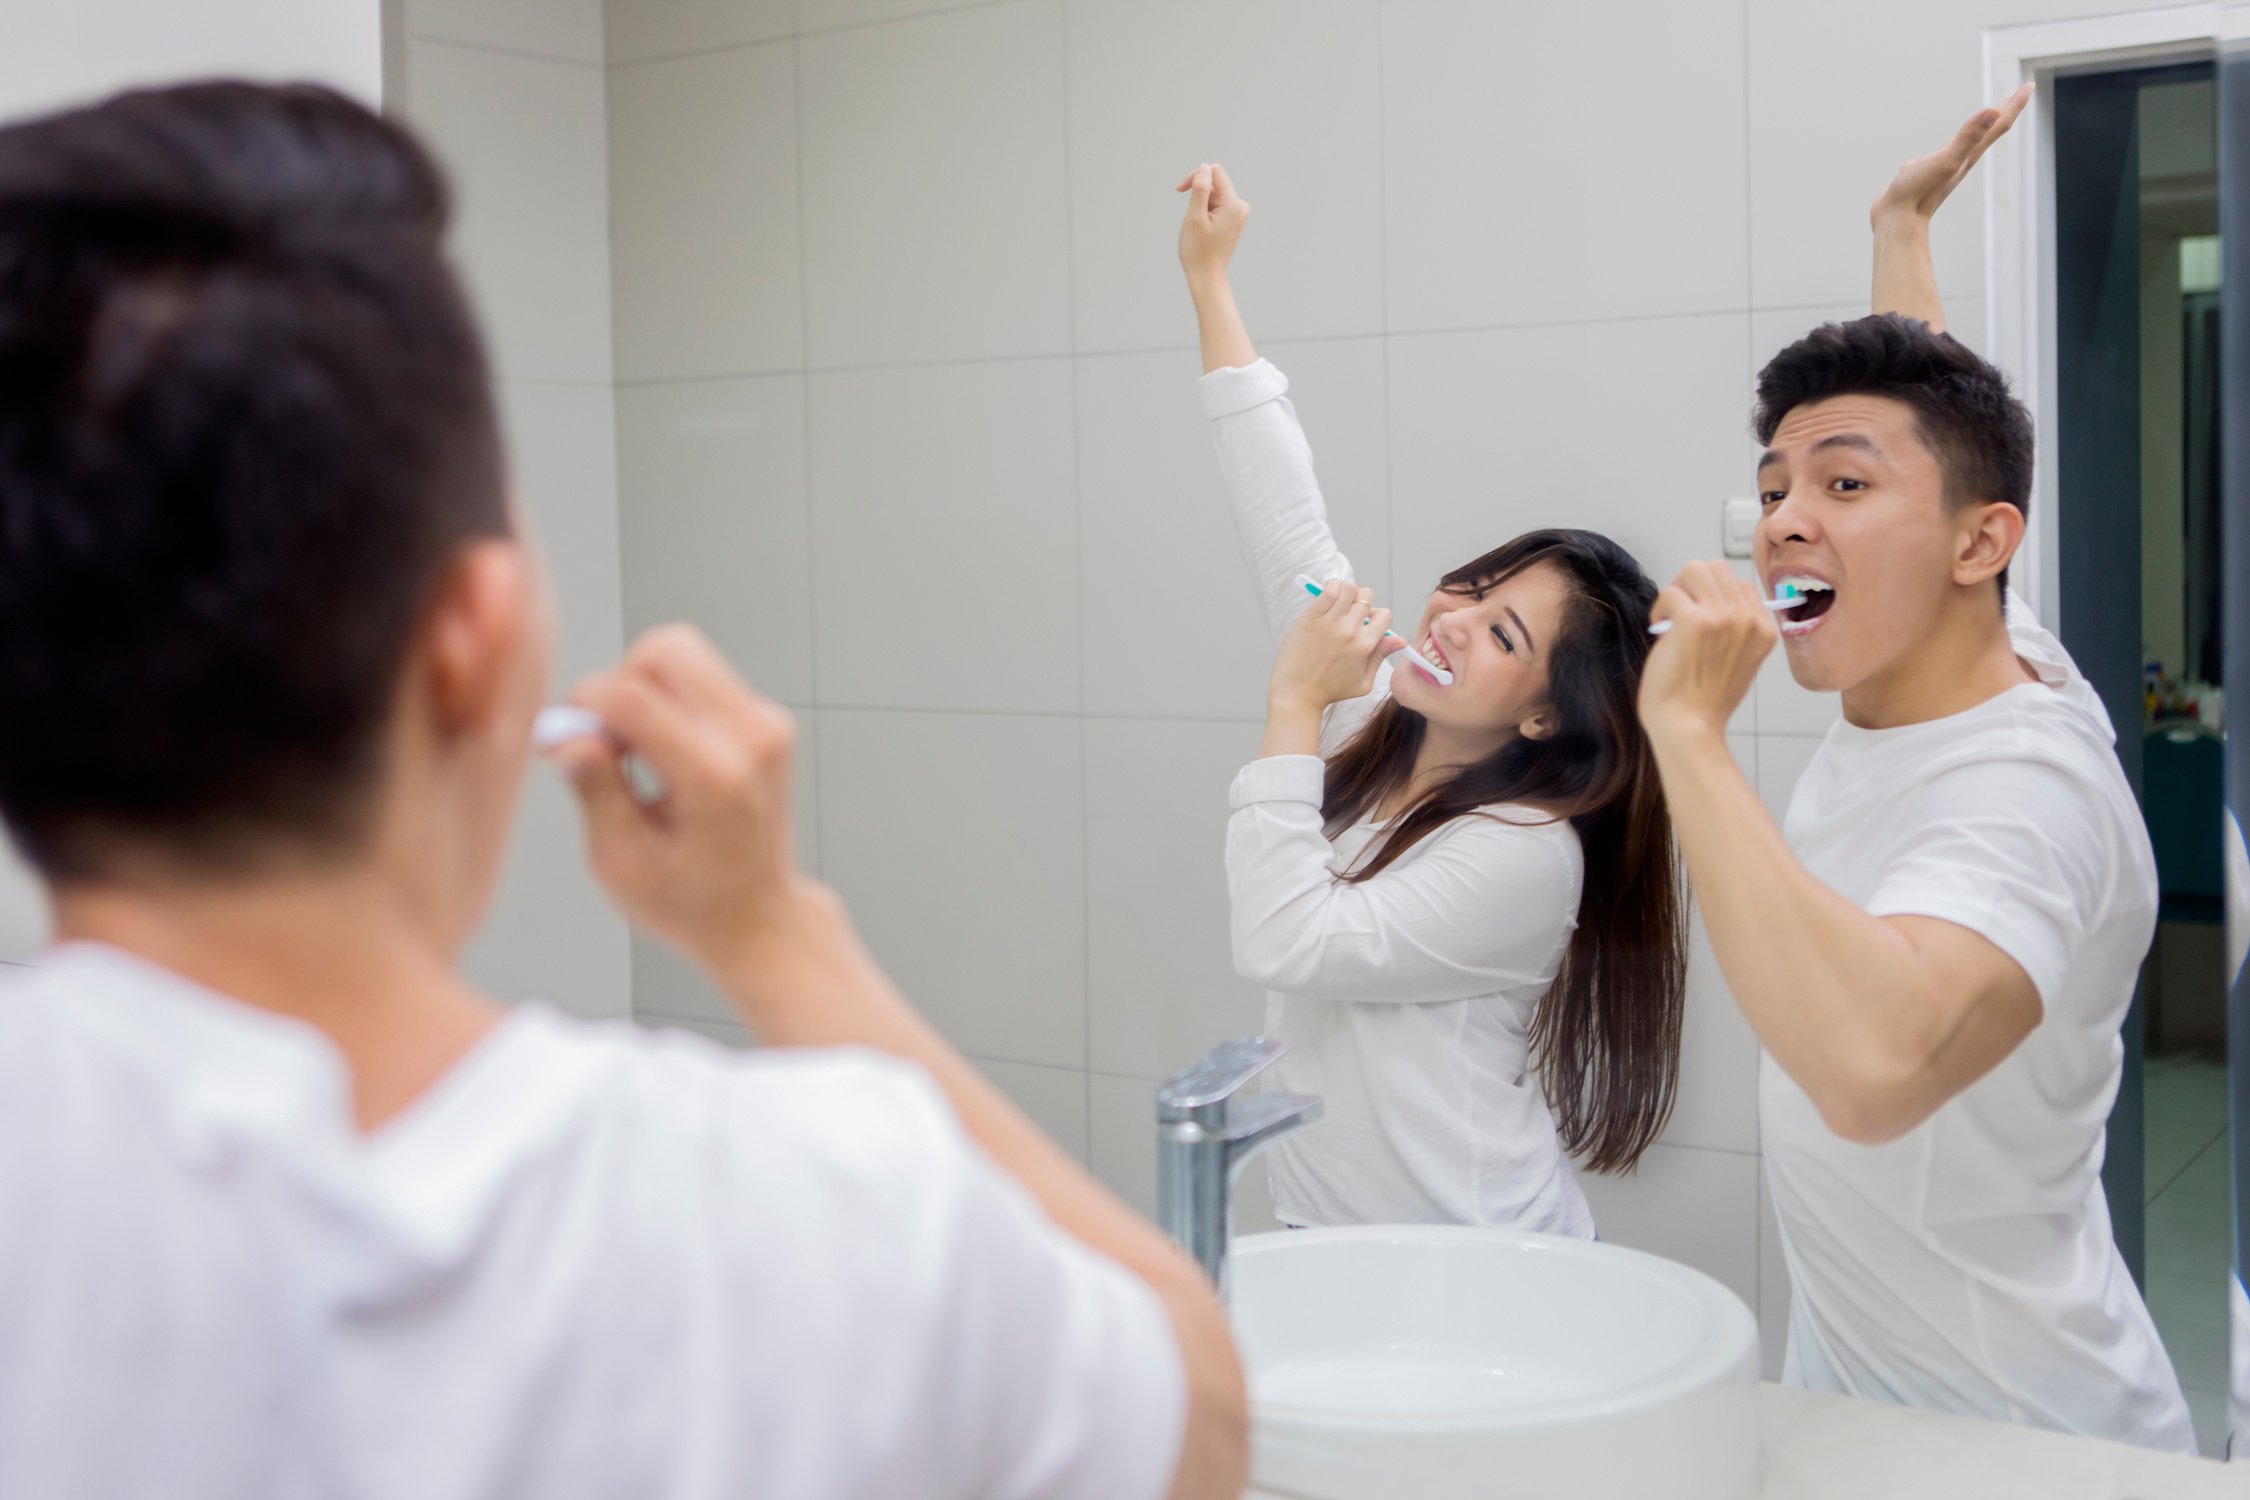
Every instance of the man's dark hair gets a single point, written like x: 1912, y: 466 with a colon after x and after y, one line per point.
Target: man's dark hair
x: 1980, y: 434
x: 245, y: 420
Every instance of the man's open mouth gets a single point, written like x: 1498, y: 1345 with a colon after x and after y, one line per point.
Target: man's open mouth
x: 1817, y: 596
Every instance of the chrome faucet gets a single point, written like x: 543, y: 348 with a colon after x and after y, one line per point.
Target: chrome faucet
x: 1204, y: 1135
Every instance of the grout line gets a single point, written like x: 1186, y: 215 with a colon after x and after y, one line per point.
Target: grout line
x: 2217, y: 1135
x: 804, y: 429
x: 920, y: 15
x: 518, y: 53
x: 1078, y: 543
x: 1058, y: 715
x: 1383, y: 303
x: 721, y: 50
x: 1387, y: 336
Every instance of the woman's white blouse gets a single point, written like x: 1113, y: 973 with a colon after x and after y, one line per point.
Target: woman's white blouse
x: 1405, y: 1000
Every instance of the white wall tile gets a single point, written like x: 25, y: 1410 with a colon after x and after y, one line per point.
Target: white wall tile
x: 1632, y: 429
x: 826, y: 15
x: 562, y: 454
x: 936, y: 224
x: 666, y: 984
x: 705, y: 210
x: 1517, y: 189
x: 1696, y: 1207
x: 568, y: 30
x: 641, y: 29
x: 945, y: 537
x: 1122, y: 1153
x: 1782, y: 758
x: 551, y: 934
x: 1773, y: 1286
x: 1173, y: 624
x: 1161, y: 983
x: 1055, y: 1098
x: 958, y: 842
x: 1157, y: 86
x: 525, y: 143
x: 24, y: 921
x: 1815, y: 166
x: 715, y: 521
x: 1718, y: 1100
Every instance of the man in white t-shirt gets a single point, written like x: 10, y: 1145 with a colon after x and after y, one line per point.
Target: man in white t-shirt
x: 286, y: 1206
x: 1938, y: 949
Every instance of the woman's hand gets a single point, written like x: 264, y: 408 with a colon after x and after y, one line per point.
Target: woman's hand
x: 1212, y: 228
x: 1924, y: 183
x: 1330, y: 654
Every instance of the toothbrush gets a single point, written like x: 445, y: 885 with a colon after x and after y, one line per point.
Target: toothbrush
x: 1788, y: 598
x: 561, y: 723
x: 1444, y: 678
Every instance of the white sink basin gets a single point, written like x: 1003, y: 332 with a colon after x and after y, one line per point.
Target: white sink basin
x: 1433, y: 1363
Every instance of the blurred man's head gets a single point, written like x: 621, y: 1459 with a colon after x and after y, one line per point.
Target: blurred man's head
x: 261, y: 606
x: 1894, y: 489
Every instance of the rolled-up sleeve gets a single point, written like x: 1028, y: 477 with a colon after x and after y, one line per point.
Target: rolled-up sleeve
x: 1485, y: 904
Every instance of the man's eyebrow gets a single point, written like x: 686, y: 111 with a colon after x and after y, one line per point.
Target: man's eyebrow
x: 1839, y: 440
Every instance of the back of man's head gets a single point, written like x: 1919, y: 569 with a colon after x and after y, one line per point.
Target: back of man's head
x: 244, y: 421
x: 1980, y: 434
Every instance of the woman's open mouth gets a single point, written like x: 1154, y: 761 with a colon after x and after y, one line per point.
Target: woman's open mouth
x: 1430, y: 650
x: 1817, y: 596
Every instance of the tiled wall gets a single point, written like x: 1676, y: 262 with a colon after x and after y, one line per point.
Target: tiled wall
x: 511, y: 93
x: 907, y: 421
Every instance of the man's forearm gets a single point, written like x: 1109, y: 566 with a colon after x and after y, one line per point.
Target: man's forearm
x: 1226, y: 342
x: 1905, y: 275
x: 1829, y: 990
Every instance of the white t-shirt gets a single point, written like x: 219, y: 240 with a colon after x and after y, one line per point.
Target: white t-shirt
x: 1969, y: 1266
x: 1405, y: 1000
x: 591, y: 1261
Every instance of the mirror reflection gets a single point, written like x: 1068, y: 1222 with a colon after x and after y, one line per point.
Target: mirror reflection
x: 751, y: 751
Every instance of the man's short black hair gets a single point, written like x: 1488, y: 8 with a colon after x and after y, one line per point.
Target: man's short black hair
x: 245, y: 420
x: 1979, y: 432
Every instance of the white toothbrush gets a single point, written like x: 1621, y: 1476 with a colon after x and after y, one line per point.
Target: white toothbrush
x: 561, y: 723
x: 1788, y: 598
x: 1444, y: 678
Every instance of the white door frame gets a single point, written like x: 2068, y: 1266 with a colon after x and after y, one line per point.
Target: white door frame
x: 2019, y: 211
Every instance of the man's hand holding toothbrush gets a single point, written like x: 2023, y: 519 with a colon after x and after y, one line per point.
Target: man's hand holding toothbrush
x: 709, y: 865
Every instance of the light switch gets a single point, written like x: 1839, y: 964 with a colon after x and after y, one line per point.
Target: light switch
x: 1740, y: 526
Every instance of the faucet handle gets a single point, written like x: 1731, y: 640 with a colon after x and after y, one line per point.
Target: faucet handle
x: 1200, y: 1090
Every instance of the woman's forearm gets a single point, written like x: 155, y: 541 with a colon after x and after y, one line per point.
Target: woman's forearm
x: 1226, y: 342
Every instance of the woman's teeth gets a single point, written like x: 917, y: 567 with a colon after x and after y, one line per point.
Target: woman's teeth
x: 1430, y: 650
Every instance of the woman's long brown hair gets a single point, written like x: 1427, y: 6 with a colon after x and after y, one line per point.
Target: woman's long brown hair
x: 1607, y: 1034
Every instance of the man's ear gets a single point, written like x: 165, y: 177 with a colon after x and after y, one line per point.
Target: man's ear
x: 1989, y: 536
x: 472, y: 627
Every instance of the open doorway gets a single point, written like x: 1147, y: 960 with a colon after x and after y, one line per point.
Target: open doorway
x: 2137, y: 489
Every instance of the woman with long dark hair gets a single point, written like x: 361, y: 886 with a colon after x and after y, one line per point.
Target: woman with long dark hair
x: 1463, y: 898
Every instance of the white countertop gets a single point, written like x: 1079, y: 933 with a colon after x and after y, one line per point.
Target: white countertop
x: 1834, y: 1448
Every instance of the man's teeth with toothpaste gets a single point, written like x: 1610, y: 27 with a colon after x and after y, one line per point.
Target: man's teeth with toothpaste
x: 1795, y: 621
